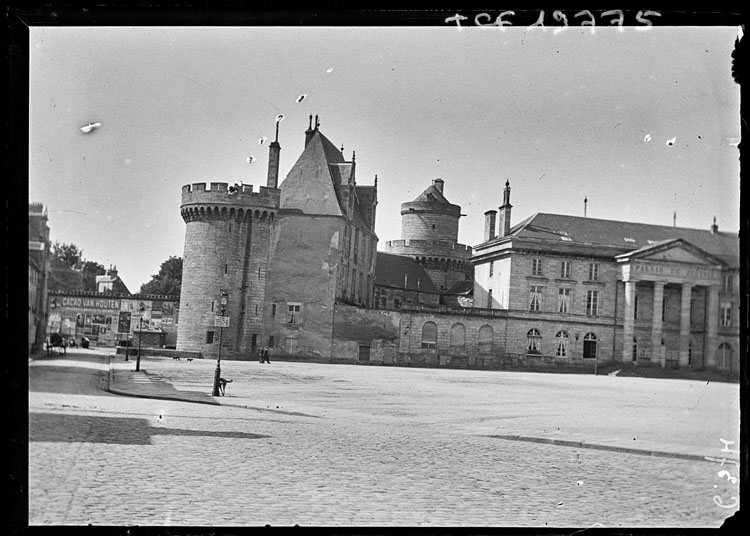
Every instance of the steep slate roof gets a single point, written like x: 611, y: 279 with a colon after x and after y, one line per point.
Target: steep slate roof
x: 627, y: 236
x: 390, y: 271
x: 315, y: 182
x: 431, y: 195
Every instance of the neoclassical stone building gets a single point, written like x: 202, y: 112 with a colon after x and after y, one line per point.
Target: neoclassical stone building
x: 586, y: 289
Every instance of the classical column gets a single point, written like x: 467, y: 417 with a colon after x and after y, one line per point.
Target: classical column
x: 687, y: 292
x: 656, y: 322
x: 628, y: 322
x: 712, y: 325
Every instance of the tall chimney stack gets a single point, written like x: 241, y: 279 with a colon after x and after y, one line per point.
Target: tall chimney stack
x: 714, y: 227
x: 438, y: 183
x: 274, y: 153
x: 309, y: 132
x: 489, y: 225
x: 504, y: 212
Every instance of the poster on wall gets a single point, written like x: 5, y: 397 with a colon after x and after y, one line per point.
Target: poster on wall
x: 123, y: 324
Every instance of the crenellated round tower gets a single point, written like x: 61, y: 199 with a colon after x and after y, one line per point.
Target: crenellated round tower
x: 227, y: 240
x: 429, y: 234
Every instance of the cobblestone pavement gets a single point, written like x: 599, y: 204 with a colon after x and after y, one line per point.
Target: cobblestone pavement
x: 338, y: 445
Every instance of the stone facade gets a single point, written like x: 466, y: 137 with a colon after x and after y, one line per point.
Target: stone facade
x: 615, y: 292
x: 429, y: 235
x: 279, y: 258
x: 296, y: 268
x: 39, y: 275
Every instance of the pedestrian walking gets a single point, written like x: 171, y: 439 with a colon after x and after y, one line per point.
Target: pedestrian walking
x: 264, y: 355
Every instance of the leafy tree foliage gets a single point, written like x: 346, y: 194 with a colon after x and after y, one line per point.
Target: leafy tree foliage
x: 68, y: 253
x: 169, y: 279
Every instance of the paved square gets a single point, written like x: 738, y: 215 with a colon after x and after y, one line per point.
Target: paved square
x: 311, y: 444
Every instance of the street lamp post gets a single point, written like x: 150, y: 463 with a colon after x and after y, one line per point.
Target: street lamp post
x: 140, y: 336
x: 217, y: 373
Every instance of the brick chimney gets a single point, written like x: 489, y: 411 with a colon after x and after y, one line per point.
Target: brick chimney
x: 714, y: 227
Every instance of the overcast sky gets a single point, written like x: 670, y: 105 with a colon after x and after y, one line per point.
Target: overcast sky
x: 561, y: 115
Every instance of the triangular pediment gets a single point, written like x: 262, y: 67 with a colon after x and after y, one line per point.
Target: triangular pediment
x: 676, y: 250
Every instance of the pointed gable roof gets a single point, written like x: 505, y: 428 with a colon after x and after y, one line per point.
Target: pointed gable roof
x: 316, y: 182
x: 628, y: 236
x: 312, y: 186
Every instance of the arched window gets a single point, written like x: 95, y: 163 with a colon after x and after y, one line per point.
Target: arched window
x: 724, y: 356
x: 589, y: 346
x: 562, y: 344
x: 458, y: 339
x: 534, y: 339
x: 429, y: 335
x: 485, y: 339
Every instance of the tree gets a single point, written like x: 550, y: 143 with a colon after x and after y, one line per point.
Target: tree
x: 68, y: 253
x: 168, y: 281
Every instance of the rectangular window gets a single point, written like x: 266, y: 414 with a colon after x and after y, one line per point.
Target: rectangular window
x: 492, y: 267
x: 273, y: 309
x: 727, y: 283
x: 592, y: 302
x: 364, y: 353
x: 213, y: 304
x: 664, y: 309
x: 293, y: 313
x: 635, y: 308
x: 536, y: 266
x: 565, y: 269
x: 383, y: 302
x: 396, y: 303
x: 255, y: 340
x: 209, y: 337
x: 270, y: 341
x: 535, y: 301
x: 594, y: 271
x: 726, y: 314
x: 563, y: 300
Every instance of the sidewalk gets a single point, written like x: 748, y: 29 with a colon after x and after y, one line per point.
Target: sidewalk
x: 255, y: 385
x: 124, y: 380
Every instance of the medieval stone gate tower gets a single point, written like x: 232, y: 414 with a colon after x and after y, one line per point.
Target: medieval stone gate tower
x: 227, y: 239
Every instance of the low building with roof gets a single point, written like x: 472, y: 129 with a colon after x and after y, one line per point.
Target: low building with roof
x: 402, y: 281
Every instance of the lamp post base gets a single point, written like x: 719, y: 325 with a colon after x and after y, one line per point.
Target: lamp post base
x: 217, y: 375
